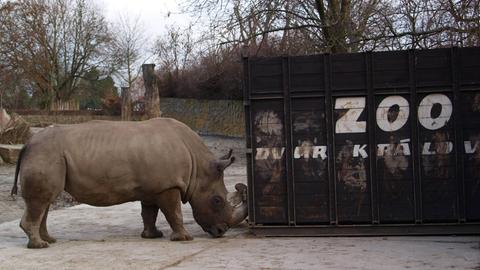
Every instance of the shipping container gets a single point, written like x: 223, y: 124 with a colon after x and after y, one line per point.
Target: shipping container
x: 375, y: 143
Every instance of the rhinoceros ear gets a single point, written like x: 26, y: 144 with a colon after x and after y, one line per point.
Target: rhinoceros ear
x: 222, y: 164
x: 228, y: 155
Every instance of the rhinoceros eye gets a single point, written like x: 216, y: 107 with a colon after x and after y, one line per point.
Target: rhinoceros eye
x: 217, y: 202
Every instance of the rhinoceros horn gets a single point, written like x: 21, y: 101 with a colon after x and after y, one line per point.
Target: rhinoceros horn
x: 238, y: 200
x: 222, y: 164
x: 228, y: 155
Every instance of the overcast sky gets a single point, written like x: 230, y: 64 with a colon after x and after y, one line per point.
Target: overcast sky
x: 155, y: 14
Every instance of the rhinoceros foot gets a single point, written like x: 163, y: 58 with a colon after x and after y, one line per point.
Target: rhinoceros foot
x: 37, y: 244
x: 48, y: 238
x: 152, y: 233
x: 181, y: 236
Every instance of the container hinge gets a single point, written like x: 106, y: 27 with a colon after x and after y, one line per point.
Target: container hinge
x: 246, y: 103
x: 249, y: 151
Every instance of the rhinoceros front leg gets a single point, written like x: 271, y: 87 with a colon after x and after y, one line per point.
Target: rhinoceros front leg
x: 149, y: 216
x: 170, y: 204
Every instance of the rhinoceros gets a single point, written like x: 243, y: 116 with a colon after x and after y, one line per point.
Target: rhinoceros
x: 160, y: 162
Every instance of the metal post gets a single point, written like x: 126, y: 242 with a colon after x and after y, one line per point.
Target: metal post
x: 416, y: 153
x: 332, y: 190
x: 458, y: 134
x: 287, y: 108
x: 371, y: 140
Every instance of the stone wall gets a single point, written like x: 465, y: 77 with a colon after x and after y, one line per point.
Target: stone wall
x: 43, y: 120
x: 212, y: 117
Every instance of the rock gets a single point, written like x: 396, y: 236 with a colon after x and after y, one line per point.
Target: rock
x: 9, y: 152
x: 16, y: 131
x: 4, y: 119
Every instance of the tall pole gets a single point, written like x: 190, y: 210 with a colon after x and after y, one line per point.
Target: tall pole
x: 152, y: 97
x: 126, y: 104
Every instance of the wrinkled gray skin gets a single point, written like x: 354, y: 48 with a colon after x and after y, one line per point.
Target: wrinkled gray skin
x: 160, y: 162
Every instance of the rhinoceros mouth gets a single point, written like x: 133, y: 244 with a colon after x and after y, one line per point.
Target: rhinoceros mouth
x: 218, y: 230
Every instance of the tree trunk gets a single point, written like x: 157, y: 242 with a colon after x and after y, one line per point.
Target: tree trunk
x: 334, y: 22
x: 152, y: 98
x: 126, y: 104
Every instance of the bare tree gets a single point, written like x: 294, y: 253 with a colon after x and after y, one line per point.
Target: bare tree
x: 128, y: 53
x: 52, y: 43
x: 342, y: 25
x: 331, y: 25
x: 295, y: 27
x: 175, y: 49
x: 129, y: 49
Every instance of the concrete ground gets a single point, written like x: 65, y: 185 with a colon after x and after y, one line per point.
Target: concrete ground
x: 109, y: 238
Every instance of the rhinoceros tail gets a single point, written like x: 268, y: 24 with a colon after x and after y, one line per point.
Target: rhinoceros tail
x: 17, y: 171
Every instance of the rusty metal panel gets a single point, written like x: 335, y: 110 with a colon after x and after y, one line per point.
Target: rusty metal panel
x: 351, y: 160
x: 266, y: 76
x: 375, y: 143
x: 270, y: 187
x: 348, y: 72
x: 433, y: 67
x: 437, y: 162
x: 390, y: 69
x: 310, y: 171
x: 469, y: 59
x: 307, y: 74
x: 394, y: 159
x: 471, y: 144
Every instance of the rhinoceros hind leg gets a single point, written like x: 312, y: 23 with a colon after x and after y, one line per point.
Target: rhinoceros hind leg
x: 30, y: 223
x: 149, y: 216
x: 43, y: 229
x: 170, y: 204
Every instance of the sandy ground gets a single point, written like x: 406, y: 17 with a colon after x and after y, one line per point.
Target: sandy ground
x: 109, y: 238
